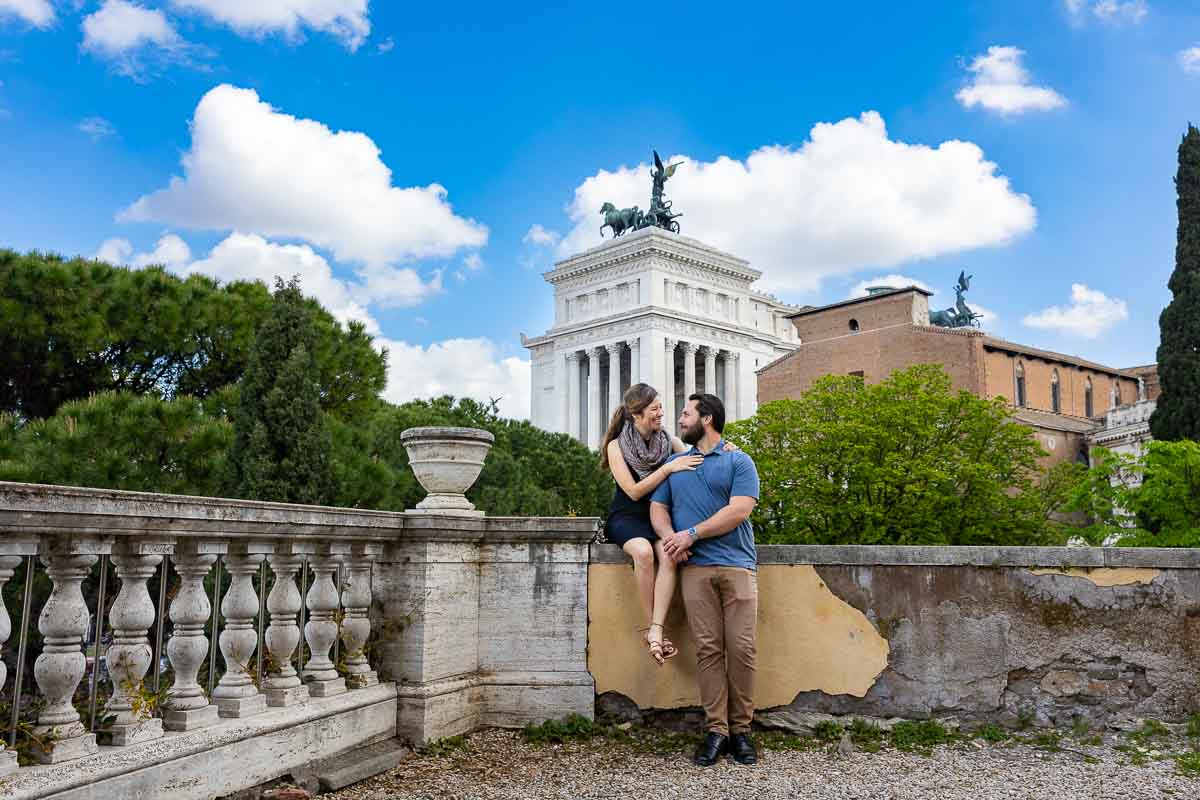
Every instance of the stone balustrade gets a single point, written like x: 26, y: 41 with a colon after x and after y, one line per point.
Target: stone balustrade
x: 207, y: 645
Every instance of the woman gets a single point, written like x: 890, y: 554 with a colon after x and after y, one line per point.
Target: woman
x: 635, y: 450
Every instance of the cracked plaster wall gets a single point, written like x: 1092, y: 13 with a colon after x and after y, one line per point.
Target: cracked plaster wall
x: 976, y: 644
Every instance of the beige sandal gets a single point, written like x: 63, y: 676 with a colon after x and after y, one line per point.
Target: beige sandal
x: 662, y: 648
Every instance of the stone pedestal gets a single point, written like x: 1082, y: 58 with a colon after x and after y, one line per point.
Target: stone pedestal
x: 238, y: 707
x: 190, y: 719
x: 8, y: 761
x: 484, y: 622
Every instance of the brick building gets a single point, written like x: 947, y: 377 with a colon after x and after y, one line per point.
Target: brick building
x: 1062, y: 397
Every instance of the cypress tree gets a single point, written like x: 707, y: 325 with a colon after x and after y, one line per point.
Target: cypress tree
x: 1177, y: 415
x: 282, y: 447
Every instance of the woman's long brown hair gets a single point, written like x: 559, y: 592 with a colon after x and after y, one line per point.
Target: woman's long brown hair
x: 635, y: 401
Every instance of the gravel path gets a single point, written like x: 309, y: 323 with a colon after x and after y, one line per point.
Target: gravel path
x: 498, y: 765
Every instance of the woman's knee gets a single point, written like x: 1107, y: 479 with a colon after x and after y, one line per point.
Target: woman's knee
x: 641, y: 552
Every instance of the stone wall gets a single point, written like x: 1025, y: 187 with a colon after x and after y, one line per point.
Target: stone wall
x: 1005, y: 636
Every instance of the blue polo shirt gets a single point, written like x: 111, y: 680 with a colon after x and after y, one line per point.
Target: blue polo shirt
x: 695, y: 495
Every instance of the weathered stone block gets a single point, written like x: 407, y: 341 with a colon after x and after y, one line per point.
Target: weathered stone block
x: 191, y: 719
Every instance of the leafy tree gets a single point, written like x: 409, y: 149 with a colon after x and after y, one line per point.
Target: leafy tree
x: 904, y: 461
x: 1147, y: 501
x: 119, y: 441
x: 69, y: 329
x: 1177, y: 415
x: 282, y: 446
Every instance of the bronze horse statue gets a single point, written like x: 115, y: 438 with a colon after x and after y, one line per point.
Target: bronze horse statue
x: 619, y: 219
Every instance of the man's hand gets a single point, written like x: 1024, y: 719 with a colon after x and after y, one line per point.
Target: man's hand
x: 678, y: 545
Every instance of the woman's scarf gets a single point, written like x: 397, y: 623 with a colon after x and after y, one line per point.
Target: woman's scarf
x: 644, y: 457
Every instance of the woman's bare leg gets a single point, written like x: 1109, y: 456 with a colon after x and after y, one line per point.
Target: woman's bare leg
x: 664, y: 587
x: 642, y: 554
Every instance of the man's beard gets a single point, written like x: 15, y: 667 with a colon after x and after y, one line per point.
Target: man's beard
x: 692, y: 435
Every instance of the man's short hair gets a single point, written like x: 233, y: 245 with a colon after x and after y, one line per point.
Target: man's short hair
x: 709, y: 405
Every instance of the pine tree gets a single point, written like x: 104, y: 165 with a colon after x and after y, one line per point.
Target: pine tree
x: 1177, y: 415
x: 282, y: 450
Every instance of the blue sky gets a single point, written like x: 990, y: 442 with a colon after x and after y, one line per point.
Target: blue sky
x: 1031, y: 143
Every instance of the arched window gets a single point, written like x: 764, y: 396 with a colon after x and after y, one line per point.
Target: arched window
x: 854, y: 326
x: 1020, y: 393
x: 1116, y: 393
x: 1055, y: 397
x: 1088, y: 406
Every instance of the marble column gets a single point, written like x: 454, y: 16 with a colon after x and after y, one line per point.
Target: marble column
x: 614, y: 376
x: 689, y: 370
x: 573, y: 395
x: 732, y: 365
x: 670, y: 417
x: 282, y: 686
x: 236, y: 695
x: 61, y: 666
x: 594, y: 424
x: 321, y: 631
x: 130, y: 656
x: 710, y: 369
x: 187, y: 707
x: 635, y: 360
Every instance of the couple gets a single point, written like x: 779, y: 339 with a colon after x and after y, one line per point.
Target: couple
x: 688, y: 503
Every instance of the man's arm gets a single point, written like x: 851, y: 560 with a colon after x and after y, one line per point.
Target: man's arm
x: 660, y: 519
x: 677, y: 544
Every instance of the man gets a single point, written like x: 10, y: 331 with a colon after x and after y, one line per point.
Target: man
x: 703, y: 518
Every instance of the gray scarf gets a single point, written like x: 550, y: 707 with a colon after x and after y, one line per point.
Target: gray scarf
x: 644, y: 457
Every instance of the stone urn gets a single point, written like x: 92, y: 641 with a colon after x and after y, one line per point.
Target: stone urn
x: 446, y: 461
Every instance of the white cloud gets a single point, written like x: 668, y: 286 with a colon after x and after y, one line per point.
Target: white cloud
x: 462, y: 367
x: 247, y: 257
x: 38, y: 13
x: 848, y: 199
x: 473, y: 261
x: 1090, y: 314
x: 134, y: 39
x: 1002, y: 85
x: 170, y: 251
x: 895, y: 281
x: 540, y: 237
x: 1189, y: 59
x: 346, y: 20
x: 253, y: 168
x: 1112, y: 12
x: 97, y: 127
x: 386, y: 46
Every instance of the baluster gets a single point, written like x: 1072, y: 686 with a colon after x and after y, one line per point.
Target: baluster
x: 284, y: 687
x: 322, y: 629
x: 188, y: 707
x: 236, y: 694
x: 60, y: 735
x: 356, y: 624
x: 130, y: 655
x: 8, y: 567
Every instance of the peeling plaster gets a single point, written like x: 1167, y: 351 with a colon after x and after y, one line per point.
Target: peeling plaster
x: 808, y: 640
x: 1105, y: 576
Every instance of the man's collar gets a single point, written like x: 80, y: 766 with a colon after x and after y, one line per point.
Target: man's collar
x: 717, y: 450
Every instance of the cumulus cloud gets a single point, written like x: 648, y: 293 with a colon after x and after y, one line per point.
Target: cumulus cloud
x: 462, y: 367
x: 254, y: 168
x: 848, y: 199
x: 386, y: 46
x: 1090, y: 313
x: 97, y: 127
x: 346, y: 20
x: 1001, y: 84
x: 170, y: 251
x: 1112, y: 12
x: 1189, y: 60
x: 247, y: 257
x: 38, y: 13
x: 540, y: 237
x: 134, y: 39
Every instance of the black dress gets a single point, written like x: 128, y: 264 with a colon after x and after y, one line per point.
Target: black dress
x: 629, y: 518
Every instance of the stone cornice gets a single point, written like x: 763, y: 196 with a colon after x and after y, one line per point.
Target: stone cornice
x: 652, y: 242
x: 668, y: 319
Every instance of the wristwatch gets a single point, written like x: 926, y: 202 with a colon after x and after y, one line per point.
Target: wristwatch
x: 692, y: 533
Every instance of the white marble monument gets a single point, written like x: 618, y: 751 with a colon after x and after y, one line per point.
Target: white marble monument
x: 652, y: 307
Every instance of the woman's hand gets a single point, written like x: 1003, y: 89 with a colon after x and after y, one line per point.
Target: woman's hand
x: 730, y: 447
x: 683, y: 463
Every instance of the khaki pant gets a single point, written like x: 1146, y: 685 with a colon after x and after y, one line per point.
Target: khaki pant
x: 722, y: 611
